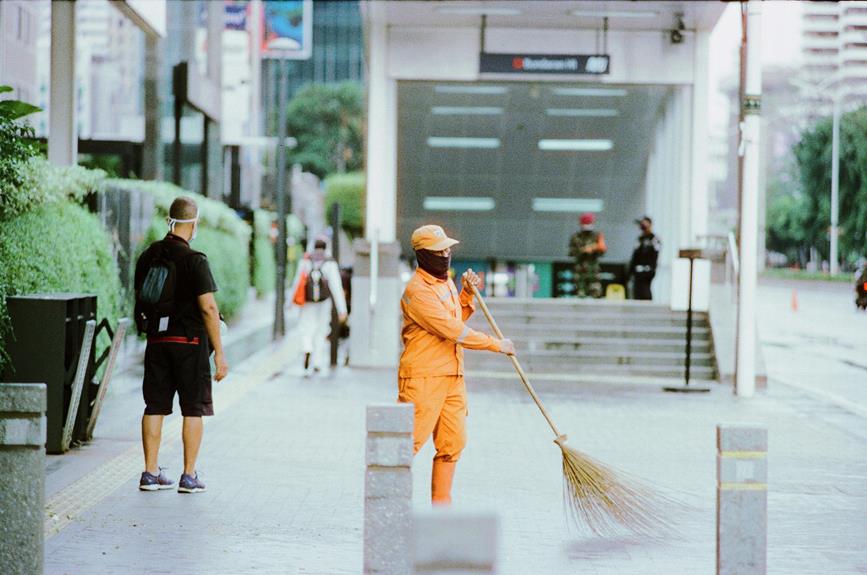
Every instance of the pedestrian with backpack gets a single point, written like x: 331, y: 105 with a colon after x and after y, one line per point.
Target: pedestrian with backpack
x: 317, y: 287
x: 176, y: 309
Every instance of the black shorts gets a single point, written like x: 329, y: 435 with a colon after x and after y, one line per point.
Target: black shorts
x: 176, y: 364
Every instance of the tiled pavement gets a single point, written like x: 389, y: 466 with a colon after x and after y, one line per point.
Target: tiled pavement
x: 284, y: 463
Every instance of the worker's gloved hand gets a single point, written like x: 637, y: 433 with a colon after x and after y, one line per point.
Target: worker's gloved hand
x: 507, y: 347
x: 471, y: 278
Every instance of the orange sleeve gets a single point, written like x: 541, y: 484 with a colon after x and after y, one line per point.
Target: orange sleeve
x: 468, y: 308
x: 424, y: 308
x: 600, y: 244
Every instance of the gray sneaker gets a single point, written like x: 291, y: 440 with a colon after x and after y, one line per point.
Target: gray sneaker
x: 151, y: 482
x: 190, y: 484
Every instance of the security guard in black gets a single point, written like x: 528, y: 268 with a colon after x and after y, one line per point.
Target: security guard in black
x: 178, y: 350
x: 642, y: 266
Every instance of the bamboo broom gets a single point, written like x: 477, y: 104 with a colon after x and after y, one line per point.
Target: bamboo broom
x: 603, y: 499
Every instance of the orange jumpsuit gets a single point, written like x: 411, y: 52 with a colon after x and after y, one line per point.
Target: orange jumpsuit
x: 431, y: 373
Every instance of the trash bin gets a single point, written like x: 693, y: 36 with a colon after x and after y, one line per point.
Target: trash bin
x: 48, y: 331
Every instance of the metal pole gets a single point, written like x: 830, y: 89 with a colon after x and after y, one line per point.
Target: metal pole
x: 835, y: 184
x: 280, y: 300
x: 689, y: 325
x: 745, y: 376
x: 335, y: 253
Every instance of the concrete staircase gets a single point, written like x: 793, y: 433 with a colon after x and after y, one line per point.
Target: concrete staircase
x: 565, y: 341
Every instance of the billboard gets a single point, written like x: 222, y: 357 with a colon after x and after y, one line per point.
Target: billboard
x: 287, y: 29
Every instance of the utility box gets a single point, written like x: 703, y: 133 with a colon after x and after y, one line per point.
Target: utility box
x: 47, y: 337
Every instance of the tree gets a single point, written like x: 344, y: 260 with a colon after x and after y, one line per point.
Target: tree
x: 348, y: 191
x: 813, y: 157
x: 327, y: 122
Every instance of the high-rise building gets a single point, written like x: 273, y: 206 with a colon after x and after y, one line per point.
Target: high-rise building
x: 19, y: 22
x: 834, y: 46
x: 338, y: 55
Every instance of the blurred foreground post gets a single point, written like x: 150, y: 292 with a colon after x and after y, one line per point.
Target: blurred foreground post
x: 22, y: 490
x: 742, y: 500
x: 388, y: 490
x: 451, y: 542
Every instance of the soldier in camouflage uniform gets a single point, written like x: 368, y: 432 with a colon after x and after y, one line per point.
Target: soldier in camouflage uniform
x: 587, y: 246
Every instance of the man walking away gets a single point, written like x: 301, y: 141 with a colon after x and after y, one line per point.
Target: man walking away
x: 323, y: 288
x: 586, y: 247
x: 175, y: 307
x: 431, y: 372
x: 642, y: 266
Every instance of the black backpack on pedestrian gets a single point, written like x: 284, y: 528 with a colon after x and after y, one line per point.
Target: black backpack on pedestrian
x: 156, y: 296
x: 317, y: 289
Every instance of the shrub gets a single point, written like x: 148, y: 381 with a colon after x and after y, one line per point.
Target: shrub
x: 57, y: 247
x: 264, y: 271
x: 223, y: 237
x: 348, y: 190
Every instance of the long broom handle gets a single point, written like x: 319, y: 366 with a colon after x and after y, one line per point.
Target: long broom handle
x: 516, y: 363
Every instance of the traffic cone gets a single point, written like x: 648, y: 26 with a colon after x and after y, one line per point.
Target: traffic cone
x: 794, y: 300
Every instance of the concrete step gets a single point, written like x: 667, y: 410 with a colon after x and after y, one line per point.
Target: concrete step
x: 540, y: 342
x: 574, y: 382
x: 513, y: 319
x: 667, y: 371
x: 633, y: 331
x: 570, y: 360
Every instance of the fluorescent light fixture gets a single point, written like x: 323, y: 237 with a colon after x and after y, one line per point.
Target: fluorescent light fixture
x: 482, y: 143
x: 466, y: 110
x: 598, y: 92
x: 476, y: 90
x: 615, y: 13
x: 570, y: 205
x: 459, y: 204
x: 492, y: 11
x: 575, y: 145
x: 582, y: 112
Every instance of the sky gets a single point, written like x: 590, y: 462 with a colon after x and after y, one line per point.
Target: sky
x: 781, y: 46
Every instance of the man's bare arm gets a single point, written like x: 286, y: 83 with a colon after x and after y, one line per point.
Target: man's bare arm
x: 211, y: 317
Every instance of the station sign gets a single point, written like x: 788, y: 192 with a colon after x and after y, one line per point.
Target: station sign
x: 535, y: 64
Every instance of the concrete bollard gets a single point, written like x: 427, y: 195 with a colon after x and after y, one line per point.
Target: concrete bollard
x: 451, y: 542
x: 22, y: 490
x: 742, y: 500
x: 388, y: 490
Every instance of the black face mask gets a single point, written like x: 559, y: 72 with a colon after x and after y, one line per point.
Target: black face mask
x: 437, y: 266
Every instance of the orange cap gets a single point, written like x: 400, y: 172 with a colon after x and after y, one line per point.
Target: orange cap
x: 432, y: 238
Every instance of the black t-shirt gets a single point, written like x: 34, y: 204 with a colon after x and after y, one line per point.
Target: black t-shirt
x: 193, y: 278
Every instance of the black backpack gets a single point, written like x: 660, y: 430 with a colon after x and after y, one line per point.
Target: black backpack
x: 156, y: 296
x: 317, y: 289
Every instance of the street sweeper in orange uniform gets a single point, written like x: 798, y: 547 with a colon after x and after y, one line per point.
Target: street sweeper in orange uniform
x: 431, y: 373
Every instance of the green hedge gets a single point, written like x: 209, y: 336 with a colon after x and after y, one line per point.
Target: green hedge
x: 264, y: 272
x: 223, y: 237
x: 57, y: 247
x: 348, y: 190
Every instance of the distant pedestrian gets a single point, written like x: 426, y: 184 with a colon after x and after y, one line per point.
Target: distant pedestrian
x: 587, y: 246
x: 317, y: 287
x: 642, y: 266
x: 175, y: 307
x: 431, y: 371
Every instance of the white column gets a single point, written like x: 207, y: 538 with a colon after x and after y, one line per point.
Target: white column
x: 835, y: 184
x: 381, y: 152
x: 745, y: 377
x: 62, y: 129
x: 700, y: 111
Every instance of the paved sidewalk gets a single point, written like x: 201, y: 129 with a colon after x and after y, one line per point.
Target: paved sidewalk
x: 284, y: 464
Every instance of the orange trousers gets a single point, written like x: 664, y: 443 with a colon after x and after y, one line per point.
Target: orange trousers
x: 440, y: 409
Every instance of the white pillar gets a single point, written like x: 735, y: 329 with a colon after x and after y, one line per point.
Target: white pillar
x: 381, y: 152
x: 835, y: 184
x: 745, y: 376
x: 700, y: 110
x: 62, y: 128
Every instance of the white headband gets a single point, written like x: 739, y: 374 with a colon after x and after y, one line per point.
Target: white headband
x: 172, y: 221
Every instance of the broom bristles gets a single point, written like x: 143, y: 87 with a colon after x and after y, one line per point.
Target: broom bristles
x: 607, y: 501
